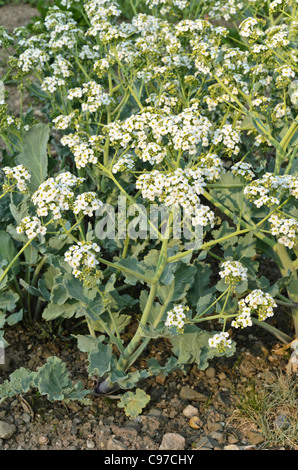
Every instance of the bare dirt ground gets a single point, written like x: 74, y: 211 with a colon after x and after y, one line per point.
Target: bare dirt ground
x: 213, y: 396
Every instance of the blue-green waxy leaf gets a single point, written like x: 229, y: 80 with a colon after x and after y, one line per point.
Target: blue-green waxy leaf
x: 192, y: 347
x: 8, y: 300
x: 134, y: 402
x: 8, y: 251
x: 100, y: 359
x: 34, y: 155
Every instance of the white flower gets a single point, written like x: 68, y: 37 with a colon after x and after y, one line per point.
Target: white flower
x: 176, y: 317
x: 31, y: 226
x: 56, y: 195
x: 82, y: 259
x: 233, y: 272
x: 258, y: 303
x: 19, y: 176
x: 220, y: 341
x: 87, y: 203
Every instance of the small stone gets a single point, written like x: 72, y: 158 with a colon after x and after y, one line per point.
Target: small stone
x: 255, y: 437
x: 90, y: 444
x: 231, y: 447
x: 282, y: 421
x: 114, y: 444
x: 187, y: 393
x: 172, y: 441
x: 43, y: 440
x: 154, y: 412
x: 6, y: 430
x: 204, y: 444
x: 127, y: 432
x: 210, y: 372
x: 26, y: 418
x: 190, y: 411
x: 232, y: 439
x: 160, y: 379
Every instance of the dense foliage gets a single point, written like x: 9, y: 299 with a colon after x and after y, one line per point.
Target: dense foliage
x: 178, y: 109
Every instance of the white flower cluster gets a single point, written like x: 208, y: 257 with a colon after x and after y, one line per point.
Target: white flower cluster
x: 55, y: 195
x: 82, y: 149
x: 147, y: 130
x: 211, y: 166
x: 82, y: 259
x: 152, y: 153
x: 32, y: 59
x: 225, y: 9
x: 31, y: 226
x: 63, y: 121
x: 229, y: 137
x: 124, y: 163
x: 284, y: 75
x: 249, y: 28
x: 243, y: 170
x: 87, y: 203
x: 180, y: 4
x: 220, y: 341
x: 61, y: 70
x: 276, y: 5
x: 96, y: 97
x: 176, y: 317
x: 19, y: 176
x: 233, y: 272
x: 256, y: 303
x: 269, y: 189
x: 62, y: 29
x: 178, y: 189
x: 285, y: 229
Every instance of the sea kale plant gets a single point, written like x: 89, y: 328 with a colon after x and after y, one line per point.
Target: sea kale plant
x: 151, y: 190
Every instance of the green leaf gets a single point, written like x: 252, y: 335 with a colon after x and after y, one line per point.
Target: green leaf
x: 183, y: 280
x: 19, y: 382
x: 8, y: 251
x: 134, y: 402
x: 59, y: 294
x: 8, y: 300
x: 66, y: 310
x: 15, y: 317
x: 192, y: 347
x: 100, y: 359
x: 52, y: 378
x: 201, y: 283
x: 88, y: 343
x: 34, y: 155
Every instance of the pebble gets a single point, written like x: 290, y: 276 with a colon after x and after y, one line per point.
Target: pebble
x: 90, y: 444
x: 187, y: 393
x: 255, y: 437
x: 172, y: 441
x: 6, y: 430
x: 114, y: 444
x: 190, y: 411
x: 282, y: 421
x: 43, y: 440
x: 210, y: 372
x: 207, y: 443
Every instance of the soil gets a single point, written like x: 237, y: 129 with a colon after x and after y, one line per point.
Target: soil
x: 212, y: 395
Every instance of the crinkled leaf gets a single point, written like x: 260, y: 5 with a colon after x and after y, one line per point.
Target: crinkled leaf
x: 192, y: 347
x: 134, y: 402
x: 100, y: 359
x: 8, y: 300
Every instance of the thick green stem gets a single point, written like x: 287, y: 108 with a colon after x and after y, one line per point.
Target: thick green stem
x: 287, y: 267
